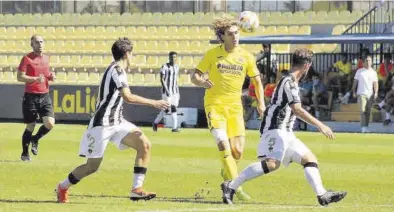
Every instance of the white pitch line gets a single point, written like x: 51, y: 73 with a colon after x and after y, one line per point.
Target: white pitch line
x: 266, y: 207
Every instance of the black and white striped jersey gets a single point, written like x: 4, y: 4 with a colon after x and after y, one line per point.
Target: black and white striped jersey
x: 278, y: 114
x: 109, y: 106
x: 169, y: 79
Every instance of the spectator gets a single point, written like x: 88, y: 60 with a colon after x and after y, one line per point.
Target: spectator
x: 269, y: 89
x: 343, y: 77
x: 251, y: 102
x: 385, y: 71
x: 319, y: 93
x: 262, y: 62
x: 306, y: 91
x: 365, y: 86
x: 389, y: 105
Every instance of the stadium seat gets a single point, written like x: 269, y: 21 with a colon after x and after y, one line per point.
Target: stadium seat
x: 139, y: 60
x: 9, y: 76
x: 138, y: 79
x: 151, y: 62
x: 13, y: 61
x: 149, y: 79
x: 85, y: 62
x: 184, y: 79
x: 65, y: 61
x: 72, y: 77
x: 97, y: 61
x: 94, y: 77
x: 187, y: 63
x: 130, y: 79
x: 3, y: 60
x: 162, y: 47
x: 54, y: 61
x: 83, y: 78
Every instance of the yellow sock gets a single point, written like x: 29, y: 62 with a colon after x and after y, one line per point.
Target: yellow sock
x: 229, y: 165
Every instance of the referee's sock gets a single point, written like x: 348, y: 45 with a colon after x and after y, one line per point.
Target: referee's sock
x: 41, y: 132
x: 26, y: 137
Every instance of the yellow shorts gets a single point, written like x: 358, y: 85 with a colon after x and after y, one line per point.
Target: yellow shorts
x: 229, y: 118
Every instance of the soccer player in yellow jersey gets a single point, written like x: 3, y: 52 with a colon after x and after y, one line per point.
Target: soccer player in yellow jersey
x: 222, y: 72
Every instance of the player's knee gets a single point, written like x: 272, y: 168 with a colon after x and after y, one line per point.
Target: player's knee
x: 270, y: 164
x: 146, y: 147
x: 50, y: 123
x: 308, y: 158
x: 220, y: 136
x: 237, y: 153
x: 30, y: 126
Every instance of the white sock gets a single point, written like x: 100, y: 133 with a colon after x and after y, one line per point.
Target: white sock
x: 159, y: 117
x: 66, y: 184
x: 381, y: 104
x: 174, y: 120
x: 387, y: 115
x: 347, y: 95
x: 138, y: 180
x: 312, y: 175
x: 250, y: 172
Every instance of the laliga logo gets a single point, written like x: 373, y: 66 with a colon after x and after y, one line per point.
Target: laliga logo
x: 73, y: 102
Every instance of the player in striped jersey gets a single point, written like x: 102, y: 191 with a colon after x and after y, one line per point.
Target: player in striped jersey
x: 278, y: 144
x: 108, y: 124
x: 169, y: 73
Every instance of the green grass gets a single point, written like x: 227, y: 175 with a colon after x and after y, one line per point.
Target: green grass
x: 186, y: 165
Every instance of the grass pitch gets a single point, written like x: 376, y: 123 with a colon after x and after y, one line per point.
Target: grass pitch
x: 185, y: 173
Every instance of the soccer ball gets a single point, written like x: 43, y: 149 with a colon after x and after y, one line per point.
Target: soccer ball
x: 249, y: 21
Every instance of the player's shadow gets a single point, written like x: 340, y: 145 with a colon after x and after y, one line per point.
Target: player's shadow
x: 205, y: 200
x: 12, y: 161
x: 26, y: 201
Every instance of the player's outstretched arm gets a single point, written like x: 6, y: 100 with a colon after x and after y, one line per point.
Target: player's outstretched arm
x: 130, y: 98
x: 307, y: 117
x: 259, y: 94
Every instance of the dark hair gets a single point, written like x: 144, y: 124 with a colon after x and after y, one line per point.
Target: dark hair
x: 302, y: 56
x: 172, y: 53
x: 121, y: 47
x: 344, y: 55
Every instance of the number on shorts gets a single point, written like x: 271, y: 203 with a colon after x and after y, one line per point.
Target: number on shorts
x: 91, y: 141
x: 271, y: 144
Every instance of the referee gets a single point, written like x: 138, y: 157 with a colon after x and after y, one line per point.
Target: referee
x: 34, y: 72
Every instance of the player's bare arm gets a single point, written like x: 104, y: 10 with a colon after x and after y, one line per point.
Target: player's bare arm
x: 135, y: 99
x: 354, y: 88
x: 198, y: 79
x: 22, y: 77
x: 375, y: 89
x: 304, y: 115
x: 259, y: 94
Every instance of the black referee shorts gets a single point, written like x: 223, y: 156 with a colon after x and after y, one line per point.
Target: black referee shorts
x: 36, y: 104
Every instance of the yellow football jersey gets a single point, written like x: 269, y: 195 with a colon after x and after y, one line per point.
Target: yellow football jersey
x: 227, y: 71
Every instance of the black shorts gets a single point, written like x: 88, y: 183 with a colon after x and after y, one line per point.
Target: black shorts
x: 36, y: 104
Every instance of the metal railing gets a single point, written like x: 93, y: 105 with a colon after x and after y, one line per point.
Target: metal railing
x: 375, y: 21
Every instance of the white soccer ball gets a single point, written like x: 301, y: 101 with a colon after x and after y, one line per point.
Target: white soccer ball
x: 249, y: 21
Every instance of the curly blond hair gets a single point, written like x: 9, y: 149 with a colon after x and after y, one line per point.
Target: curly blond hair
x: 221, y: 24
